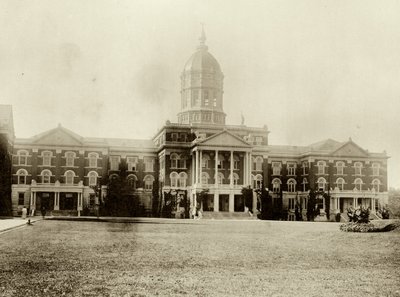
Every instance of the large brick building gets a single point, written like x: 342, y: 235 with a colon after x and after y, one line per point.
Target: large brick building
x: 58, y: 167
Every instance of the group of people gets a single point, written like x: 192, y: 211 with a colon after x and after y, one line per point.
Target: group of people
x: 31, y: 212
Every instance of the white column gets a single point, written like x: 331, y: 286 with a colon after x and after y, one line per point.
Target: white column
x: 244, y: 169
x: 56, y: 201
x: 31, y: 200
x: 216, y: 168
x: 197, y: 167
x: 249, y: 170
x: 193, y: 170
x: 216, y: 202
x: 200, y: 165
x: 231, y: 202
x: 231, y: 181
x: 354, y: 202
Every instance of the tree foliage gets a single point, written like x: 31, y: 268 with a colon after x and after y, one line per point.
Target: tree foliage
x: 5, y: 178
x: 247, y: 193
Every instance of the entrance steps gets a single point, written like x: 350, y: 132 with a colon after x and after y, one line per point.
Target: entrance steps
x: 210, y: 215
x: 63, y: 213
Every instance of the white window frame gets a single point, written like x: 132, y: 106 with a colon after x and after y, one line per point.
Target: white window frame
x: 149, y: 164
x: 340, y: 168
x: 69, y: 159
x: 93, y: 157
x: 132, y: 163
x: 22, y: 157
x: 46, y: 158
x: 321, y: 182
x: 276, y: 185
x: 182, y: 179
x: 204, y: 178
x: 174, y: 176
x: 358, y: 184
x: 375, y: 169
x: 21, y: 173
x: 357, y: 168
x: 376, y: 183
x: 291, y: 184
x: 291, y: 169
x: 92, y: 178
x: 340, y: 182
x: 114, y: 163
x: 321, y: 167
x: 69, y: 176
x: 148, y: 182
x: 46, y: 176
x: 276, y: 168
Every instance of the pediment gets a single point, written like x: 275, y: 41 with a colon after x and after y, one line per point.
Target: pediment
x: 58, y: 136
x: 224, y: 138
x: 350, y: 149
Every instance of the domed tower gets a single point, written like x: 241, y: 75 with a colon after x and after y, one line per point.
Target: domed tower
x: 202, y: 88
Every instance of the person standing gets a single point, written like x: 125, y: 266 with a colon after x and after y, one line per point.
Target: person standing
x: 43, y: 210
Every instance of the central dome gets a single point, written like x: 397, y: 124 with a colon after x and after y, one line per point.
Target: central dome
x: 202, y: 88
x: 202, y: 60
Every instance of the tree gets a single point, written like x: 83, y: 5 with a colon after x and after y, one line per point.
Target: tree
x: 265, y: 203
x: 247, y: 193
x: 312, y: 212
x: 120, y: 200
x: 5, y: 178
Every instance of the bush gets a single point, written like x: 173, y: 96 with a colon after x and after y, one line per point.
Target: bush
x: 360, y: 215
x: 367, y: 227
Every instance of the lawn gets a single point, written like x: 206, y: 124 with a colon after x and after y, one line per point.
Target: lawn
x: 197, y: 258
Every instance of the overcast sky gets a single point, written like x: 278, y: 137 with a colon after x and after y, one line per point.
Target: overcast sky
x: 310, y: 70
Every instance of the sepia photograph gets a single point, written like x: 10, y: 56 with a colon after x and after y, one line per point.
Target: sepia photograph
x: 199, y: 148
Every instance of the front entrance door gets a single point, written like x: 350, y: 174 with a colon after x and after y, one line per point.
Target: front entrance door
x: 223, y: 202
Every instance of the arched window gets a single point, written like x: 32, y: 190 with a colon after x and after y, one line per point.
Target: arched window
x: 236, y: 162
x: 92, y: 178
x: 257, y: 163
x: 204, y: 178
x: 69, y: 177
x: 148, y: 182
x: 358, y: 184
x: 205, y: 161
x: 114, y: 177
x: 220, y: 178
x: 93, y: 160
x: 305, y: 182
x: 276, y: 185
x: 291, y: 183
x: 257, y: 181
x: 340, y: 183
x: 69, y: 159
x: 46, y: 158
x: 357, y: 168
x: 131, y: 180
x: 22, y: 158
x: 235, y: 178
x: 321, y: 167
x: 305, y: 168
x: 21, y: 174
x: 339, y: 168
x: 182, y: 179
x: 375, y: 169
x: 174, y: 179
x: 174, y: 160
x: 375, y: 185
x: 46, y: 174
x: 321, y: 184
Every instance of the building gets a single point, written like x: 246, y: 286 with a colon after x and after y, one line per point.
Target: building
x: 59, y: 169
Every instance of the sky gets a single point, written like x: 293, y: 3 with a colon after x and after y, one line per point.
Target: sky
x: 309, y: 70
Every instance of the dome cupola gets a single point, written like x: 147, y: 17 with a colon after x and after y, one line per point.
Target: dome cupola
x: 202, y: 88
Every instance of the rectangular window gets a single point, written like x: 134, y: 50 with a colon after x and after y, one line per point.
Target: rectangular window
x: 174, y: 136
x: 21, y: 198
x: 46, y: 158
x: 339, y: 170
x: 22, y: 159
x: 375, y: 169
x: 276, y: 168
x: 132, y: 163
x: 305, y: 166
x: 291, y: 167
x: 114, y: 162
x: 149, y: 164
x: 69, y: 159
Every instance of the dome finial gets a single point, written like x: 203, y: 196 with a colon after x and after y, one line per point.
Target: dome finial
x: 202, y: 38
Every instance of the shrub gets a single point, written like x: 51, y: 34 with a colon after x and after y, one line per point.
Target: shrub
x: 359, y: 215
x: 367, y: 227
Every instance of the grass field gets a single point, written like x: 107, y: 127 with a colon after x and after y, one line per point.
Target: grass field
x: 197, y: 258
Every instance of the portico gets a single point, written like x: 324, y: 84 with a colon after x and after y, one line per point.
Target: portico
x: 222, y: 165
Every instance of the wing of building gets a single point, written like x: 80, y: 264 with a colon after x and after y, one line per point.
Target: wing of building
x: 60, y: 169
